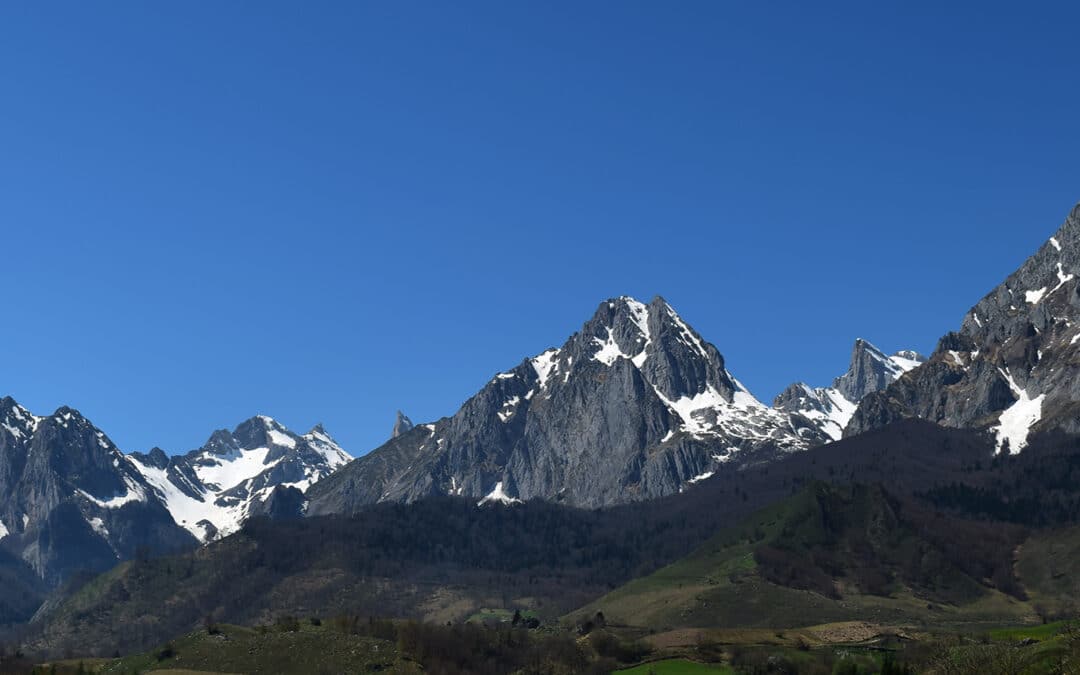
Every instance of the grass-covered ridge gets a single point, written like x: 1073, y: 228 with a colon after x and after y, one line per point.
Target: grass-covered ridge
x: 235, y: 649
x: 832, y: 554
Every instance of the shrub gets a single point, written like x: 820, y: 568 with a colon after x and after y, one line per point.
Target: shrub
x: 166, y: 652
x: 607, y: 645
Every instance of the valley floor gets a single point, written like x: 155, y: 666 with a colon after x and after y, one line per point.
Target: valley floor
x: 349, y: 646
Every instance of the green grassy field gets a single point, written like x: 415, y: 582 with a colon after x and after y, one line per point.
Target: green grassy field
x: 499, y: 615
x: 309, y: 650
x: 678, y: 667
x: 1041, y: 632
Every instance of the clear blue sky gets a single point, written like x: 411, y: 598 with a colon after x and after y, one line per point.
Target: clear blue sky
x: 328, y: 211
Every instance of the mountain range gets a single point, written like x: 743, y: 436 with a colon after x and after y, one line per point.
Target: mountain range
x: 70, y: 500
x: 635, y: 406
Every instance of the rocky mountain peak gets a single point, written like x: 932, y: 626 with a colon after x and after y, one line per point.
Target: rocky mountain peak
x: 66, y: 417
x: 828, y: 410
x: 634, y: 405
x: 670, y: 354
x: 402, y: 423
x: 221, y: 442
x: 872, y: 370
x: 156, y: 458
x: 16, y: 420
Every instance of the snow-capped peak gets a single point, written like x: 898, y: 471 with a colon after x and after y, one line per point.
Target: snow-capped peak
x: 828, y: 410
x: 212, y: 490
x: 325, y: 445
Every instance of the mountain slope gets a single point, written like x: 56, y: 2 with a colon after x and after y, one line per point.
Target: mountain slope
x: 832, y: 554
x: 23, y: 590
x: 440, y: 559
x: 1013, y: 367
x: 633, y: 406
x: 70, y: 500
x: 831, y: 408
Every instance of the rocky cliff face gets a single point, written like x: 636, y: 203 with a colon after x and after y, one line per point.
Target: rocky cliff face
x: 1013, y: 366
x: 829, y: 409
x: 635, y: 405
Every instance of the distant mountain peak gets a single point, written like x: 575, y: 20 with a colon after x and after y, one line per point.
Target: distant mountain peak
x: 872, y: 370
x: 402, y: 423
x: 829, y: 410
x: 212, y: 490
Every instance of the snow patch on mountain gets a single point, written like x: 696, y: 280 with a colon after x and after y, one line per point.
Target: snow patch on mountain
x: 609, y: 350
x: 224, y: 473
x: 509, y: 408
x: 498, y: 496
x: 1016, y: 421
x: 700, y: 477
x: 134, y: 493
x: 281, y: 439
x: 188, y: 512
x: 98, y: 525
x: 545, y: 364
x: 906, y: 360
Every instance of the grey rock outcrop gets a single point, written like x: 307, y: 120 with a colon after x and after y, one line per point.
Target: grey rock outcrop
x: 401, y: 424
x: 872, y: 370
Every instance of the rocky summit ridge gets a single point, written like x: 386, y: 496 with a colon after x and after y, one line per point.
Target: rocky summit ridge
x: 634, y: 405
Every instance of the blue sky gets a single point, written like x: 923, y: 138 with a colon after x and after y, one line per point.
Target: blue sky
x: 328, y: 211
